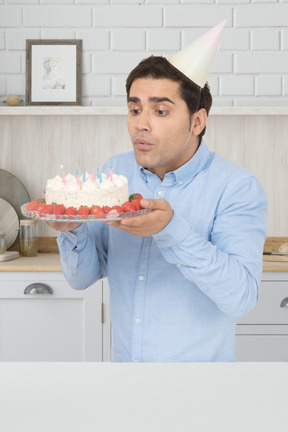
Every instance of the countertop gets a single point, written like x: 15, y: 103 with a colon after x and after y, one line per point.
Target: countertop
x: 170, y: 397
x: 43, y: 262
x: 50, y: 262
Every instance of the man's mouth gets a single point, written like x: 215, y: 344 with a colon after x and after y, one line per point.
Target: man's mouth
x: 142, y: 144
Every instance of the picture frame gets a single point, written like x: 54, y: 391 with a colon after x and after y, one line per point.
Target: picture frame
x: 53, y: 71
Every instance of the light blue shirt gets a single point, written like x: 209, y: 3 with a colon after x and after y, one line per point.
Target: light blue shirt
x: 175, y: 295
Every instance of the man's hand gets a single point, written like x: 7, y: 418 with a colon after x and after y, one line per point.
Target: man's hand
x: 142, y: 226
x: 61, y: 226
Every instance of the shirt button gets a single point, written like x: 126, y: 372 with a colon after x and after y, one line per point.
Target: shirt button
x: 135, y: 361
x: 141, y: 277
x: 178, y: 265
x: 138, y: 320
x: 159, y: 193
x: 180, y: 182
x: 156, y: 238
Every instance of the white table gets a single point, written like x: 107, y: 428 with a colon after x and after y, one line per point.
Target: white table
x: 198, y: 397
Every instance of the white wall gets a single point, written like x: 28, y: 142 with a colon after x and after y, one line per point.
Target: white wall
x: 250, y: 69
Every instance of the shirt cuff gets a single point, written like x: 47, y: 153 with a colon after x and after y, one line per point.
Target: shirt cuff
x: 69, y: 242
x: 175, y: 232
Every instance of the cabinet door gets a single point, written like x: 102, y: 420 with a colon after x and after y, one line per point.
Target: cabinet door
x: 262, y: 348
x: 65, y: 325
x: 268, y: 309
x: 262, y: 334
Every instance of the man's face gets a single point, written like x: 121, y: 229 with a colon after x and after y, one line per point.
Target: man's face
x: 159, y: 125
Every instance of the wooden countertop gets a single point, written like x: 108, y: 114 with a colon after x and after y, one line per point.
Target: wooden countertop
x: 43, y: 262
x: 50, y: 262
x: 48, y: 259
x: 73, y: 397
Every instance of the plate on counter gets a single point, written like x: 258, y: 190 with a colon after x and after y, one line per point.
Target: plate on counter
x: 9, y: 222
x: 111, y: 216
x: 14, y: 192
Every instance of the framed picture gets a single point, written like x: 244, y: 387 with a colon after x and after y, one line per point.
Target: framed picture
x: 53, y: 72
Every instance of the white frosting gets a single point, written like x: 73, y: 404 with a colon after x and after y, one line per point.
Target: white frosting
x: 88, y: 193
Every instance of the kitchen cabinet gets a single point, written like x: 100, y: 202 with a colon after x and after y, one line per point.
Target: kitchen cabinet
x: 69, y: 325
x: 43, y: 319
x: 262, y: 334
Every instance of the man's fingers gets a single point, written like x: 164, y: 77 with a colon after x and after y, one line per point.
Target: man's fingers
x: 155, y: 204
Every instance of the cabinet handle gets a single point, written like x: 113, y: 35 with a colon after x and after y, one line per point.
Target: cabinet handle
x: 38, y: 288
x: 284, y: 303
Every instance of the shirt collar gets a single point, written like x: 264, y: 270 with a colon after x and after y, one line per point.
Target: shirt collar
x: 199, y: 161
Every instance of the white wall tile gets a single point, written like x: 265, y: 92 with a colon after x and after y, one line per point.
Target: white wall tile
x: 117, y: 34
x: 127, y: 16
x: 128, y: 40
x: 10, y: 16
x: 261, y: 62
x: 164, y: 39
x: 10, y: 63
x: 57, y: 16
x: 236, y: 85
x: 268, y: 85
x: 265, y: 39
x: 262, y: 15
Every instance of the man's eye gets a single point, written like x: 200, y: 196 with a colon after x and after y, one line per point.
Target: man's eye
x: 135, y: 111
x: 162, y: 113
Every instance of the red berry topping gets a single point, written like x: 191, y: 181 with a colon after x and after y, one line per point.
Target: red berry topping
x: 136, y: 203
x: 106, y: 209
x: 71, y: 211
x: 128, y: 207
x: 84, y: 211
x: 135, y: 196
x: 96, y: 210
x: 48, y: 209
x: 41, y: 208
x: 117, y: 208
x: 31, y: 206
x: 59, y: 209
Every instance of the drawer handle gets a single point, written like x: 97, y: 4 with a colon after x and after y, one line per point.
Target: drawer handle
x: 284, y: 303
x: 38, y: 288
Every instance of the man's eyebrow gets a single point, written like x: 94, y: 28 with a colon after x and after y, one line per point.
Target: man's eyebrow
x: 153, y: 99
x: 161, y: 99
x: 133, y: 99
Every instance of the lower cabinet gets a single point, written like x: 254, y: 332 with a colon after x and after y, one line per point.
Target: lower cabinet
x: 43, y: 319
x: 262, y: 334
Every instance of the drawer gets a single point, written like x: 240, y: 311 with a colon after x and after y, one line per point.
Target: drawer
x: 262, y: 348
x: 268, y: 309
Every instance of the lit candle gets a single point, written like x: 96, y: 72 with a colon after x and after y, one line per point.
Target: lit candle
x: 93, y: 177
x: 100, y: 178
x: 77, y: 176
x: 111, y: 175
x: 63, y: 174
x: 84, y: 176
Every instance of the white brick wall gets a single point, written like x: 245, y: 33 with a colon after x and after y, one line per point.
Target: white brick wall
x: 250, y: 68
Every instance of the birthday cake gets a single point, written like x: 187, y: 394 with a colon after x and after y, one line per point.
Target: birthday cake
x: 85, y: 190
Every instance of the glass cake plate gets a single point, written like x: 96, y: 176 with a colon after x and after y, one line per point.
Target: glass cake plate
x: 111, y: 216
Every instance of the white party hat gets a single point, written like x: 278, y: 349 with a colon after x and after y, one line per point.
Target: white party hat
x: 195, y: 59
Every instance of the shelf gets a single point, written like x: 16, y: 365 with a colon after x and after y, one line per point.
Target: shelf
x: 108, y: 111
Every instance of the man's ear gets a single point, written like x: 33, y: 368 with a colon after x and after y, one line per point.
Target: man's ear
x: 200, y: 121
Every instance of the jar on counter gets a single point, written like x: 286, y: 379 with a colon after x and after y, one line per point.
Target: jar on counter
x: 28, y: 237
x: 2, y: 242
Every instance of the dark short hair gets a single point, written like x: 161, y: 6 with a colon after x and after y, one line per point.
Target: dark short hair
x: 159, y: 67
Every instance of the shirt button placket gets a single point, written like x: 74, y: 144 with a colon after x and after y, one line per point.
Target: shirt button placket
x: 139, y: 302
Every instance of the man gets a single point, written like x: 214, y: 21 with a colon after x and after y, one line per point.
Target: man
x: 180, y: 275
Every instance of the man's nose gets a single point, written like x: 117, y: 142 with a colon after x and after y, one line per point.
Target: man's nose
x: 143, y: 121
